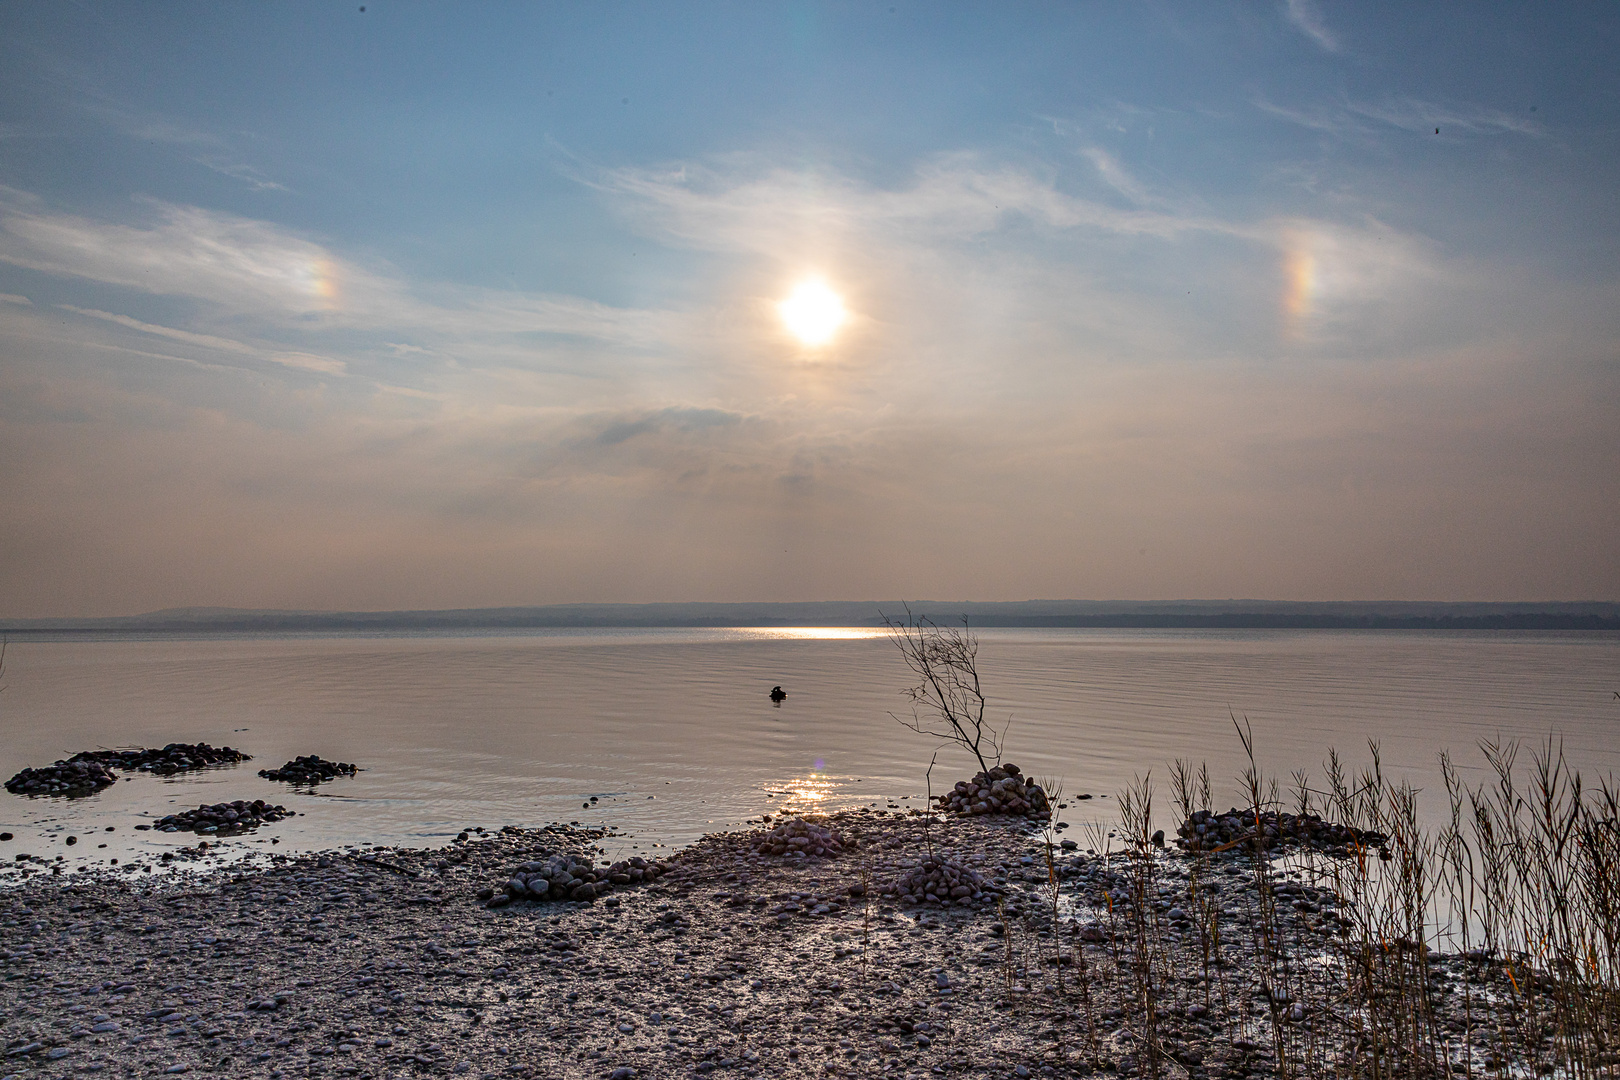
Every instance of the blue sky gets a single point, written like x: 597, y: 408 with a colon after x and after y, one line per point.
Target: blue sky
x: 455, y: 305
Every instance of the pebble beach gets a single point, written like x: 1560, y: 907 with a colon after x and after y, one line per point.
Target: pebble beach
x: 725, y: 958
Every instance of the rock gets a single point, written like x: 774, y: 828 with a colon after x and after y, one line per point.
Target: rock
x: 941, y: 881
x: 1002, y: 790
x: 173, y: 758
x: 801, y: 837
x: 571, y: 876
x: 92, y: 770
x: 1240, y: 829
x: 223, y: 819
x: 62, y: 778
x: 311, y: 769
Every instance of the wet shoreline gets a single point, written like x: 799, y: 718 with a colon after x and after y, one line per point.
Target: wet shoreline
x: 387, y: 963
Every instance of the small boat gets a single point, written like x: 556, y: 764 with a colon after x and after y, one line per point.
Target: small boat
x: 777, y: 693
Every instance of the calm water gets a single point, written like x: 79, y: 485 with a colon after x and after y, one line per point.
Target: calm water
x: 673, y: 732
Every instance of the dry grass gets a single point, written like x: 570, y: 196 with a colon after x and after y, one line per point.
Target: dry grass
x: 1486, y: 946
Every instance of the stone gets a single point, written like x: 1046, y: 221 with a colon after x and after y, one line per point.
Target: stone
x: 173, y: 758
x: 801, y: 837
x: 1002, y: 790
x: 570, y: 876
x: 224, y: 818
x: 1205, y: 830
x: 310, y: 769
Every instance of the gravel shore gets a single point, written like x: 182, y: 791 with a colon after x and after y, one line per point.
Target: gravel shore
x: 385, y: 963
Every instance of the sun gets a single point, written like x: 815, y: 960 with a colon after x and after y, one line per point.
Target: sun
x: 813, y: 312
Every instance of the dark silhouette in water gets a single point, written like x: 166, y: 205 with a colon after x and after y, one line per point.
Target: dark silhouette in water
x: 777, y: 694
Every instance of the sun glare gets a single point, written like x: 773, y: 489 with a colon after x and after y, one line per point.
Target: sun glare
x: 813, y: 313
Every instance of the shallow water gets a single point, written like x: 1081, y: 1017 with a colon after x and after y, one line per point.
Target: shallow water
x: 673, y: 732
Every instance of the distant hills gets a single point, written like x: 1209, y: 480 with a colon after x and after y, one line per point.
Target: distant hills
x: 1170, y: 614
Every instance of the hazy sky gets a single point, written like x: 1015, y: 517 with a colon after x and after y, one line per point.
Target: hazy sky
x: 427, y: 305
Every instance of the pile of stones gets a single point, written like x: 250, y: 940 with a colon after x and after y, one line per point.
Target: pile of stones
x: 92, y: 770
x: 176, y: 757
x: 1208, y: 831
x: 223, y: 819
x: 942, y: 881
x: 803, y: 838
x: 1002, y: 790
x: 62, y: 778
x: 310, y: 769
x: 571, y: 877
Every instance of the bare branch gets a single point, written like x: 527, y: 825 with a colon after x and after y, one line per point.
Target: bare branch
x: 948, y: 692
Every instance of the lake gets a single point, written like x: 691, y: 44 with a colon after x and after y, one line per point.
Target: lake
x: 673, y: 732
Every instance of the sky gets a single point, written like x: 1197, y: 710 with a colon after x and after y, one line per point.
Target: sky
x: 411, y: 305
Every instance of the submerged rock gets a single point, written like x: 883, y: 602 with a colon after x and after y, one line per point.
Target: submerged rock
x: 310, y: 769
x: 92, y: 770
x: 62, y: 778
x: 175, y: 757
x: 223, y: 819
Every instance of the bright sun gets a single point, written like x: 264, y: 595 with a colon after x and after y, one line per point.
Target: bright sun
x: 813, y: 313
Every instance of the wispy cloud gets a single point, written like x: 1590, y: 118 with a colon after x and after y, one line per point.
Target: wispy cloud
x: 1116, y: 176
x: 207, y: 341
x: 322, y: 365
x: 1414, y: 114
x: 201, y: 146
x: 1364, y: 121
x: 185, y: 251
x: 749, y: 206
x: 241, y: 268
x: 1306, y: 17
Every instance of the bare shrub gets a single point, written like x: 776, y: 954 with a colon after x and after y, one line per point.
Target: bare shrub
x: 947, y: 701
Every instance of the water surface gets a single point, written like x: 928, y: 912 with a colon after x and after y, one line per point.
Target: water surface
x: 674, y: 734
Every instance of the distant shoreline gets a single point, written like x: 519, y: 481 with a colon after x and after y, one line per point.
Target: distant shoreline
x: 1033, y: 614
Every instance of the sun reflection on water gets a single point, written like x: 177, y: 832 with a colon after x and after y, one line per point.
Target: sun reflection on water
x: 805, y: 794
x: 810, y: 633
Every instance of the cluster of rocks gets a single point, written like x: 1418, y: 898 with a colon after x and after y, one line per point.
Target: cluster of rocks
x: 571, y: 877
x: 1002, y: 790
x: 1208, y: 831
x: 176, y: 757
x: 92, y: 770
x: 802, y: 838
x: 222, y: 818
x: 62, y: 778
x: 310, y: 769
x: 940, y: 880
